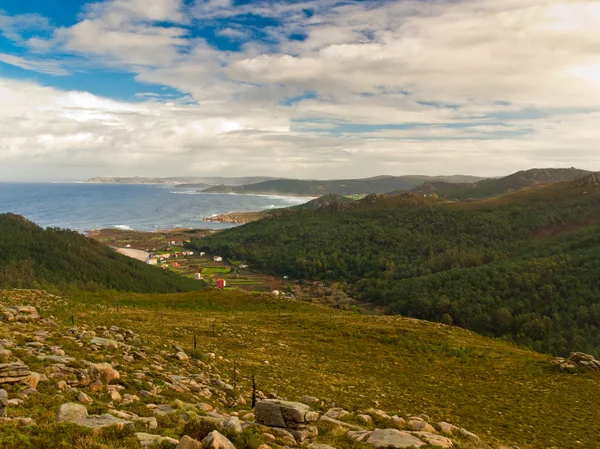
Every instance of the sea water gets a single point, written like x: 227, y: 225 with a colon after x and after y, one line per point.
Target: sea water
x: 84, y: 207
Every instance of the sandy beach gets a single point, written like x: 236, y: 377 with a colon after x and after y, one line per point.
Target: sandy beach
x: 134, y: 253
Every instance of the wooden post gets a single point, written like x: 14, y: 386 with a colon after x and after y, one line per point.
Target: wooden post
x: 195, y: 339
x: 253, y: 392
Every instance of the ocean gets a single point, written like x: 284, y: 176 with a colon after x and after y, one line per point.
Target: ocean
x: 83, y: 207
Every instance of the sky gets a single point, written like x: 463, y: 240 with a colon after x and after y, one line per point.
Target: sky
x: 297, y: 88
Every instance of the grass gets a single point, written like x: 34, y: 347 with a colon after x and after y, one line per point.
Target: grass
x: 501, y: 392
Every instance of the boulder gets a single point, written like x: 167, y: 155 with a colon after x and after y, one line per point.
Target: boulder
x: 105, y: 371
x: 393, y: 438
x: 232, y: 424
x: 215, y: 440
x: 84, y: 398
x: 187, y: 442
x: 13, y: 372
x: 71, y: 412
x: 277, y: 413
x: 3, y: 403
x: 105, y: 343
x: 341, y: 424
x: 147, y: 439
x: 434, y: 439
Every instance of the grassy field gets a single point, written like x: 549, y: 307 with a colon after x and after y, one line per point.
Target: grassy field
x: 501, y: 392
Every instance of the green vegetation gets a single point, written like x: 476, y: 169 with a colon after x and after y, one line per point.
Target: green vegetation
x: 492, y: 187
x: 379, y: 184
x: 397, y: 364
x: 521, y: 266
x: 31, y: 257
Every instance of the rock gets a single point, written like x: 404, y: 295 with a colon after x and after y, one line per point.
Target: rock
x: 147, y: 439
x: 277, y: 413
x: 397, y: 421
x: 114, y: 395
x: 96, y: 387
x: 341, y: 424
x: 336, y: 413
x: 149, y: 423
x: 215, y: 440
x: 3, y: 403
x: 434, y: 439
x: 187, y: 442
x: 182, y: 356
x: 304, y: 432
x: 32, y: 380
x: 77, y: 414
x: 232, y: 424
x: 71, y: 412
x: 366, y: 419
x: 264, y: 446
x: 420, y: 425
x: 104, y: 342
x: 5, y: 354
x: 84, y: 398
x: 450, y: 429
x: 309, y: 399
x: 319, y: 446
x: 393, y: 438
x: 13, y: 372
x: 359, y: 435
x: 105, y: 371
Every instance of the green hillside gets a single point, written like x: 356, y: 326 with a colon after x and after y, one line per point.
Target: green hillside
x: 493, y: 187
x: 521, y: 266
x: 31, y: 256
x: 379, y: 184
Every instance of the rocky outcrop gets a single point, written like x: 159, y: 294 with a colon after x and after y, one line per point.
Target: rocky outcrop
x: 393, y: 438
x: 3, y: 403
x: 215, y: 440
x: 19, y: 313
x: 13, y: 372
x: 78, y: 414
x: 578, y: 360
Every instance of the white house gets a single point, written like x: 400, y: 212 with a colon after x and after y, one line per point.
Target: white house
x: 152, y: 261
x: 202, y: 253
x: 218, y: 259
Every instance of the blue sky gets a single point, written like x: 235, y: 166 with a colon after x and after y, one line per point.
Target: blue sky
x: 310, y: 88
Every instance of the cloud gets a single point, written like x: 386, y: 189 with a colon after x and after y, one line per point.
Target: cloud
x: 49, y: 67
x: 13, y: 27
x: 484, y: 87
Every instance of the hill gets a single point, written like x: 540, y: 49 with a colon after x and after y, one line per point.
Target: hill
x: 520, y: 266
x: 31, y: 256
x: 493, y: 187
x: 192, y: 369
x: 378, y: 184
x: 188, y: 181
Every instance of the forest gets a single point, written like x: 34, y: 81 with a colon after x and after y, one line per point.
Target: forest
x: 32, y: 257
x: 523, y: 266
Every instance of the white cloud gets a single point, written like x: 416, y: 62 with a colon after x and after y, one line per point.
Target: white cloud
x: 49, y: 67
x: 485, y: 87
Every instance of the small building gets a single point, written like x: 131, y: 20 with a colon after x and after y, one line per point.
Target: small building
x: 276, y: 292
x: 218, y: 259
x: 152, y: 261
x: 221, y: 283
x: 175, y: 265
x: 202, y: 253
x: 243, y: 265
x: 198, y: 276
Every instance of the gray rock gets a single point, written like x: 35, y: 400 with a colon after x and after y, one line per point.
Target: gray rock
x: 434, y: 439
x: 3, y: 403
x: 232, y: 424
x: 393, y: 438
x: 147, y: 439
x: 215, y: 440
x: 277, y: 413
x: 341, y: 424
x: 71, y: 412
x: 359, y: 435
x: 187, y: 442
x: 105, y: 342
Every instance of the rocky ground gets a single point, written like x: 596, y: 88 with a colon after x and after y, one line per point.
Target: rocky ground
x: 112, y: 389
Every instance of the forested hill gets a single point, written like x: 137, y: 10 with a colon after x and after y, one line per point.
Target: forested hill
x: 31, y: 257
x: 379, y: 184
x: 524, y: 265
x: 492, y: 187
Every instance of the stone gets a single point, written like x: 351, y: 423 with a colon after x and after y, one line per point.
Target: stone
x: 3, y: 403
x: 309, y: 399
x: 319, y: 446
x: 304, y: 432
x: 393, y: 438
x: 336, y: 413
x: 61, y: 385
x: 71, y: 412
x: 147, y: 439
x: 359, y: 435
x: 84, y: 398
x: 96, y: 387
x: 182, y: 356
x: 398, y: 421
x: 420, y: 425
x: 105, y: 371
x: 187, y: 442
x: 215, y: 440
x: 105, y: 343
x: 434, y: 439
x: 366, y: 419
x: 13, y: 372
x: 32, y: 380
x: 232, y: 424
x: 277, y: 413
x: 341, y: 424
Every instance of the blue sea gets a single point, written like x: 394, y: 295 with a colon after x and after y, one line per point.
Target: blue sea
x: 83, y: 207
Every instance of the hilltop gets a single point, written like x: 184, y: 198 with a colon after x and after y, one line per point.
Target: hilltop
x: 518, y: 266
x: 31, y: 256
x: 116, y: 377
x: 493, y: 187
x: 378, y: 184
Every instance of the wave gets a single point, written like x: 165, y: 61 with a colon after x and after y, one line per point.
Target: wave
x: 123, y: 227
